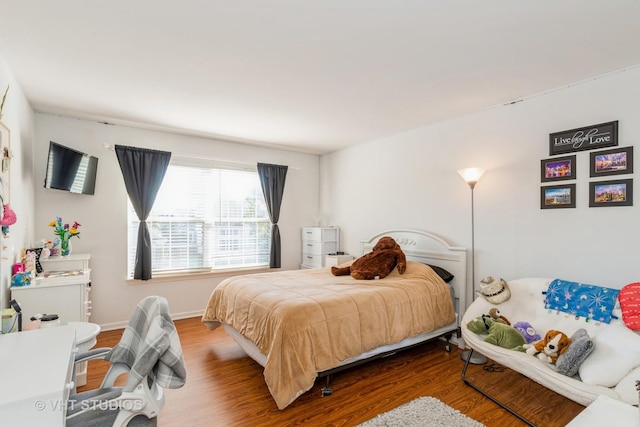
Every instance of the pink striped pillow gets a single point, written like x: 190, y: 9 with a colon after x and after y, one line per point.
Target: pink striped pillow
x: 629, y: 298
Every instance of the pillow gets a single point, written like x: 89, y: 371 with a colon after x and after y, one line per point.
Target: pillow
x: 616, y: 352
x: 629, y: 299
x: 626, y: 388
x: 444, y: 274
x: 580, y: 300
x: 581, y: 346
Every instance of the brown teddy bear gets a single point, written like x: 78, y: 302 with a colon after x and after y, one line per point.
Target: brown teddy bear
x: 377, y: 264
x: 495, y: 315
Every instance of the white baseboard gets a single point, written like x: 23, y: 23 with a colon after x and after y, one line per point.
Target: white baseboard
x: 175, y: 316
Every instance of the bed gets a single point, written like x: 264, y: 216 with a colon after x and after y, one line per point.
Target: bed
x: 300, y: 324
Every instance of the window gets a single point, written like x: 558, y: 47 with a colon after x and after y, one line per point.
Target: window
x: 205, y: 219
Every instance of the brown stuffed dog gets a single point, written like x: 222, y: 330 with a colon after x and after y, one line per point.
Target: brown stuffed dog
x: 377, y: 264
x: 549, y: 348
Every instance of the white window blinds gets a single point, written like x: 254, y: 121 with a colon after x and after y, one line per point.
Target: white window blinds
x: 205, y: 219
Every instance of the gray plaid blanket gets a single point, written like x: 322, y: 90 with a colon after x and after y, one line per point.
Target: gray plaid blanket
x: 150, y: 346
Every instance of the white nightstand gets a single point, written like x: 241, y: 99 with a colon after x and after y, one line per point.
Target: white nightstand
x: 331, y: 260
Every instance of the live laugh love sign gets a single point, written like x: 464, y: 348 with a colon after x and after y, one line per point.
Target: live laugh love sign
x: 586, y: 138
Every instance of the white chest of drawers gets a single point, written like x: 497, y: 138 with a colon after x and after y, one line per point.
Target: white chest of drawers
x: 316, y: 243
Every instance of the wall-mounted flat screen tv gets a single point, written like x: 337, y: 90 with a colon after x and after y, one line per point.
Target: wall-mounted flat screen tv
x: 70, y: 170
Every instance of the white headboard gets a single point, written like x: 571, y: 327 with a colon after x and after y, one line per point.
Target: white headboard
x: 428, y: 248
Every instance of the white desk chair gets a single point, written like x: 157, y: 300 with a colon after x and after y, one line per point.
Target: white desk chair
x: 149, y: 352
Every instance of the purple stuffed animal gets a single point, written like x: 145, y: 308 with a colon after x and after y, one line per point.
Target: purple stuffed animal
x: 527, y: 331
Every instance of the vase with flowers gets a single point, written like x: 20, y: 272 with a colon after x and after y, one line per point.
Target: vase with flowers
x: 65, y: 232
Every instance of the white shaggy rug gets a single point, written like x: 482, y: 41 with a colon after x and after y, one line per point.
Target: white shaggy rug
x: 422, y: 412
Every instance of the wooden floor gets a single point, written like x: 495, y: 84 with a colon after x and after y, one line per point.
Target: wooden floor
x: 226, y: 388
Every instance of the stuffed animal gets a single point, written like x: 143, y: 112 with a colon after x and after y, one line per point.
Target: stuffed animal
x: 21, y: 279
x: 377, y: 264
x: 498, y: 333
x: 495, y: 315
x: 550, y: 347
x: 527, y: 331
x: 494, y: 290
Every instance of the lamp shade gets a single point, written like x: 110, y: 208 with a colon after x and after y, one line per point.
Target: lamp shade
x: 471, y: 175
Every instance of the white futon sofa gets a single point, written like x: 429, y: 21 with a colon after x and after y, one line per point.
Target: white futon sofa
x: 612, y: 367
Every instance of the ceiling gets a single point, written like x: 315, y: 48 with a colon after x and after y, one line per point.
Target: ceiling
x: 311, y: 76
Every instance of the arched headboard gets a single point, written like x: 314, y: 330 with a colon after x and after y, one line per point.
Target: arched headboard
x: 428, y: 248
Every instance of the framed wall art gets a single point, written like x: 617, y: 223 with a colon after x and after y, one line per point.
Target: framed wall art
x: 612, y: 162
x: 558, y: 169
x: 558, y: 196
x: 611, y: 193
x: 587, y: 138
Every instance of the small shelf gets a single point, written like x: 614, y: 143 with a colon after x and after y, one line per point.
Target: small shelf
x: 68, y: 270
x: 73, y: 261
x: 72, y: 257
x: 71, y: 279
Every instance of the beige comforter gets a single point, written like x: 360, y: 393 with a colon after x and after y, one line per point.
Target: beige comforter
x: 309, y: 321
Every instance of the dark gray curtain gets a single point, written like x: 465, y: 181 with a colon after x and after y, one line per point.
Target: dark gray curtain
x: 143, y: 171
x: 272, y: 178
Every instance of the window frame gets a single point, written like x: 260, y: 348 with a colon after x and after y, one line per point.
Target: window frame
x: 204, y: 271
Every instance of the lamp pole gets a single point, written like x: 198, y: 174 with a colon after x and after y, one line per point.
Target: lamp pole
x: 471, y: 177
x: 473, y: 245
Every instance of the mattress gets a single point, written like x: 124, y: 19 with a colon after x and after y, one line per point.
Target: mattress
x: 309, y: 321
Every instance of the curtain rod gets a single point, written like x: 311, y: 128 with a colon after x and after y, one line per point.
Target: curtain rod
x: 183, y: 156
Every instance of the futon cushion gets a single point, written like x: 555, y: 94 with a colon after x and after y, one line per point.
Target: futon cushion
x: 616, y: 352
x: 626, y: 388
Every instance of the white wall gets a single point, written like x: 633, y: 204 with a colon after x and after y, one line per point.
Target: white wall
x: 104, y: 215
x: 410, y: 180
x: 19, y: 118
x: 407, y: 180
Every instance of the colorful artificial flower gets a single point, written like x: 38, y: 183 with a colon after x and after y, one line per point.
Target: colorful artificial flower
x: 64, y: 231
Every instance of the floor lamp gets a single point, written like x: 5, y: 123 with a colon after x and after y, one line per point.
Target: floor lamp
x: 471, y: 176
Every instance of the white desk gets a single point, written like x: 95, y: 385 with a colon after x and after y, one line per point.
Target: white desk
x: 35, y: 376
x: 605, y: 411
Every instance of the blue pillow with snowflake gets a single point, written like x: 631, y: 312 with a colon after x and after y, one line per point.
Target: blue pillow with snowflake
x: 581, y: 300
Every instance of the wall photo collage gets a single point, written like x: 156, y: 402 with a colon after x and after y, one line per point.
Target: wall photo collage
x: 602, y: 163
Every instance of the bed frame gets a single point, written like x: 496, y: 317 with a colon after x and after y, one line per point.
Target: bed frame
x: 420, y: 246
